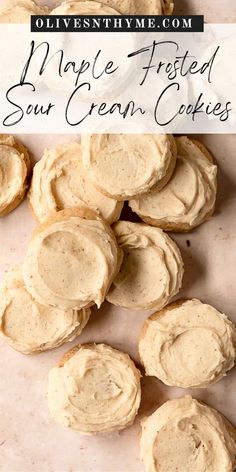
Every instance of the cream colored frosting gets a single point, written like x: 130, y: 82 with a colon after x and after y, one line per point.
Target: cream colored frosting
x: 13, y: 173
x: 61, y: 181
x: 83, y: 8
x: 123, y: 165
x: 140, y: 7
x: 19, y: 11
x: 190, y: 194
x: 71, y: 262
x: 152, y: 268
x: 188, y: 344
x: 30, y: 327
x: 153, y: 7
x: 185, y: 435
x: 95, y: 390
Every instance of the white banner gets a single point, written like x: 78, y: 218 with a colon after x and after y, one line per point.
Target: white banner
x: 118, y: 82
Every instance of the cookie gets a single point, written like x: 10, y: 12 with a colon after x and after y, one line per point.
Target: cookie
x: 186, y: 435
x: 152, y: 269
x: 60, y: 181
x: 71, y: 260
x: 126, y: 165
x: 189, y: 197
x: 188, y: 344
x: 20, y: 11
x: 14, y: 169
x: 84, y: 8
x: 30, y: 327
x: 95, y: 389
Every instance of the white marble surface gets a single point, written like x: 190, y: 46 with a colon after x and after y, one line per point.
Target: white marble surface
x: 29, y: 439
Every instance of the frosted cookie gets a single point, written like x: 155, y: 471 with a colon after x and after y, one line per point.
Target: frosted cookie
x: 189, y: 197
x: 152, y: 268
x: 14, y: 169
x: 30, y: 327
x: 185, y: 435
x: 71, y: 260
x: 20, y: 11
x: 95, y: 389
x: 153, y: 7
x: 140, y: 7
x: 124, y: 165
x: 60, y: 181
x: 188, y: 344
x: 83, y: 8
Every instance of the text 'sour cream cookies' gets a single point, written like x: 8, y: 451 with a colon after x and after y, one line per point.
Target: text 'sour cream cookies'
x: 185, y: 435
x: 189, y: 197
x: 20, y: 11
x: 152, y: 268
x: 95, y: 389
x: 60, y: 181
x: 71, y: 260
x: 14, y: 168
x: 124, y: 165
x: 30, y: 327
x: 188, y: 344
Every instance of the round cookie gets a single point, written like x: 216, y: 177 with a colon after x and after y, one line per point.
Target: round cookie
x: 14, y: 169
x: 71, y: 260
x: 188, y: 344
x: 185, y: 435
x: 75, y: 7
x: 30, y: 327
x: 153, y: 7
x: 152, y: 269
x: 95, y: 389
x: 60, y: 181
x: 126, y: 165
x: 189, y: 197
x: 140, y: 7
x: 20, y: 11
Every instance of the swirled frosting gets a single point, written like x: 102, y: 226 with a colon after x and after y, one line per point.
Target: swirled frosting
x: 153, y: 7
x: 84, y: 8
x: 14, y: 163
x: 30, y: 327
x: 122, y: 165
x: 95, y: 389
x: 152, y: 268
x: 188, y: 344
x: 19, y: 11
x: 140, y: 7
x: 71, y: 260
x: 185, y: 435
x: 189, y: 196
x: 60, y: 181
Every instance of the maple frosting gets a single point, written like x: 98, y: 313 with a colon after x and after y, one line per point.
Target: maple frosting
x: 19, y: 11
x: 71, y: 260
x: 140, y: 7
x: 123, y: 165
x: 186, y: 435
x: 152, y: 268
x: 30, y: 327
x: 61, y: 181
x: 189, y: 196
x: 188, y: 344
x: 95, y: 389
x: 14, y: 166
x: 84, y: 8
